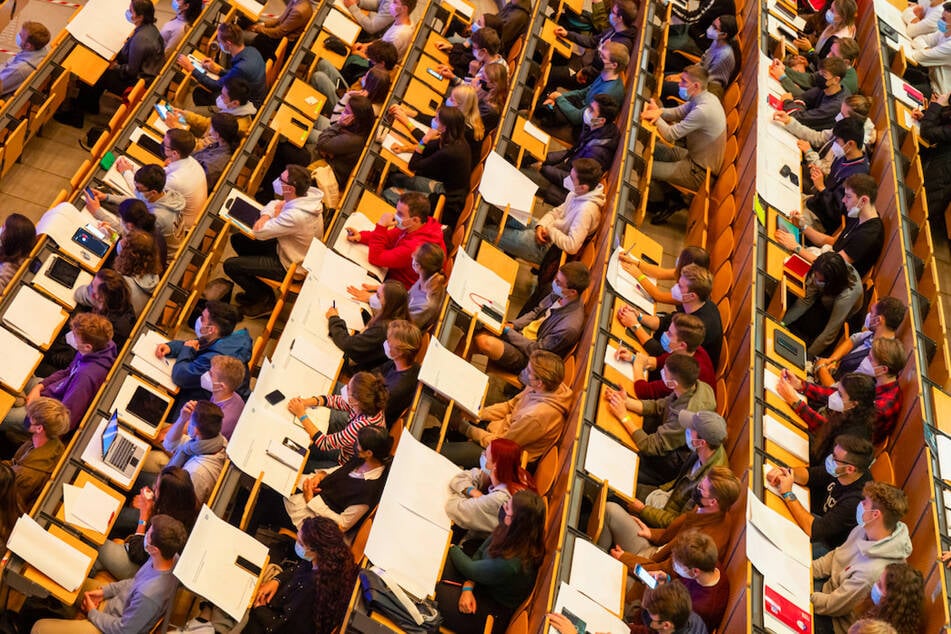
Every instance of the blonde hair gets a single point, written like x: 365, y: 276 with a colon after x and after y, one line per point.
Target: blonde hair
x: 230, y: 370
x: 407, y: 336
x: 51, y: 414
x: 468, y: 102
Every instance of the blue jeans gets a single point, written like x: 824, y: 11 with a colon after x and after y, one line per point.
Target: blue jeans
x: 326, y: 79
x: 518, y: 240
x: 400, y: 183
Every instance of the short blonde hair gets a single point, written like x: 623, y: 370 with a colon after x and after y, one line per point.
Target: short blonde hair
x: 408, y: 338
x: 230, y: 370
x: 51, y: 414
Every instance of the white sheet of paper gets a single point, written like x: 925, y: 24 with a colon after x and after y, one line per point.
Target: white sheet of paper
x: 598, y: 575
x: 778, y: 567
x: 159, y: 370
x: 95, y: 507
x: 596, y: 618
x: 461, y: 6
x: 770, y: 380
x: 626, y: 286
x: 779, y: 530
x: 802, y: 493
x: 419, y: 477
x: 347, y: 308
x: 71, y: 505
x: 898, y: 91
x: 342, y: 26
x: 115, y: 179
x: 626, y: 368
x: 607, y: 459
x: 101, y: 26
x: 19, y: 360
x: 944, y: 455
x: 210, y: 556
x: 472, y: 285
x: 534, y: 131
x: 356, y: 252
x: 391, y: 140
x: 34, y: 316
x: 56, y: 559
x: 60, y: 223
x: 322, y: 358
x: 453, y: 377
x: 786, y: 438
x: 503, y: 184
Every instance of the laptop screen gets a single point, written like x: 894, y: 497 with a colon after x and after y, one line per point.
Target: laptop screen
x: 147, y: 406
x: 109, y: 433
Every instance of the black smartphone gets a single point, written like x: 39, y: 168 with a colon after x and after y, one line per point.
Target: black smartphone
x: 243, y: 563
x: 84, y: 238
x: 579, y: 624
x: 35, y: 265
x: 274, y: 397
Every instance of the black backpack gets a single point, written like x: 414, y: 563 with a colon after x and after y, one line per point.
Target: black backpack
x: 377, y: 596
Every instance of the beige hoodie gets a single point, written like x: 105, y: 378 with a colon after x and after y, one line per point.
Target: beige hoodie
x: 534, y: 419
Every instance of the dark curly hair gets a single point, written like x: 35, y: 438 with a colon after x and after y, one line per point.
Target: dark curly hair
x: 903, y: 602
x: 334, y: 575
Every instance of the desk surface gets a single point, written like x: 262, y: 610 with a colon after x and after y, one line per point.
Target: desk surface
x: 641, y: 245
x: 305, y: 98
x: 529, y: 143
x: 421, y: 71
x: 432, y: 50
x: 58, y: 591
x: 609, y: 422
x: 494, y: 258
x: 373, y: 206
x: 292, y: 125
x: 323, y: 52
x: 87, y: 65
x: 81, y: 480
x: 561, y: 46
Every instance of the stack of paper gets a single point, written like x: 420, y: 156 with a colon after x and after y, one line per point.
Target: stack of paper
x: 788, y: 439
x: 356, y: 252
x: 100, y: 25
x: 341, y: 26
x: 608, y: 460
x: 34, y: 316
x: 595, y: 616
x: 89, y: 507
x: 779, y: 549
x: 626, y: 286
x: 473, y: 285
x: 625, y: 368
x: 19, y: 360
x: 453, y: 377
x: 145, y: 361
x: 50, y: 555
x: 598, y: 575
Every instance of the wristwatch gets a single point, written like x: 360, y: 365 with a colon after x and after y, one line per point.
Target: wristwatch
x: 789, y: 496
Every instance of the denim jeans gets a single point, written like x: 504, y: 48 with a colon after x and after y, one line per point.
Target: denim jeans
x: 518, y: 240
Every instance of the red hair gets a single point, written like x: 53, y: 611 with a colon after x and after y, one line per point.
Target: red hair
x: 507, y: 456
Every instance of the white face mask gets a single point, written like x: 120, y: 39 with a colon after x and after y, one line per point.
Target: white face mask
x: 839, y: 117
x: 712, y: 33
x: 669, y: 382
x: 206, y: 382
x: 587, y: 117
x: 71, y: 340
x: 568, y: 184
x: 682, y: 571
x: 835, y: 402
x: 278, y: 187
x: 837, y: 150
x: 676, y: 293
x: 375, y: 302
x: 386, y: 349
x: 854, y: 211
x: 345, y: 392
x: 176, y: 7
x: 222, y: 105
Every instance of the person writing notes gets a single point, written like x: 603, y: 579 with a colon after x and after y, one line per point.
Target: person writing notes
x: 364, y: 350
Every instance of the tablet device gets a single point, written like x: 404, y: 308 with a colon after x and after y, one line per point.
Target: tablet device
x: 789, y: 227
x: 147, y: 406
x: 84, y: 238
x: 243, y: 212
x: 63, y: 271
x: 789, y: 349
x: 152, y: 146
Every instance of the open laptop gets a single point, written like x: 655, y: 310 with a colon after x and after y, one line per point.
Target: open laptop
x: 118, y: 451
x: 147, y: 406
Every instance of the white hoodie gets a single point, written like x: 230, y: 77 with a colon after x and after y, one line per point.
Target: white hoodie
x: 572, y: 221
x: 300, y: 221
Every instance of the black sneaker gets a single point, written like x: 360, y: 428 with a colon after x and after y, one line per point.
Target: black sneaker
x: 259, y: 310
x: 72, y: 118
x: 663, y: 215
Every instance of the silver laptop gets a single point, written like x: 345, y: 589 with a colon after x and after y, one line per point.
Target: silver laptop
x: 118, y: 451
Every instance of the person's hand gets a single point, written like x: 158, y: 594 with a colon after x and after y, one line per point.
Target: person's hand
x: 209, y: 65
x: 917, y: 114
x: 187, y: 410
x: 92, y: 599
x: 552, y: 96
x: 401, y: 148
x: 193, y: 344
x: 651, y: 112
x: 630, y: 267
x: 347, y: 118
x: 399, y: 114
x: 266, y: 592
x: 255, y: 28
x: 92, y: 202
x: 792, y: 379
x: 617, y: 402
x: 919, y: 12
x: 123, y: 164
x: 360, y: 49
x: 643, y: 530
x: 445, y: 70
x: 786, y: 239
x: 941, y: 100
x: 783, y: 480
x: 444, y: 46
x: 161, y: 350
x: 541, y: 235
x: 350, y: 3
x: 352, y: 234
x: 296, y: 406
x: 331, y: 312
x: 777, y: 69
x: 386, y: 219
x: 802, y: 43
x: 803, y: 146
x: 559, y: 622
x: 818, y: 178
x: 361, y: 295
x: 467, y: 603
x: 786, y: 391
x: 144, y: 501
x: 185, y: 63
x: 659, y: 576
x: 616, y: 551
x: 635, y: 506
x: 624, y: 354
x: 945, y: 558
x: 627, y: 316
x: 34, y: 393
x: 431, y: 135
x: 582, y: 77
x: 786, y: 96
x: 561, y: 31
x: 772, y: 476
x: 781, y: 116
x: 475, y: 493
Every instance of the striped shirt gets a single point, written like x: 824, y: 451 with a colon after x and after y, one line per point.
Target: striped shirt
x: 346, y: 439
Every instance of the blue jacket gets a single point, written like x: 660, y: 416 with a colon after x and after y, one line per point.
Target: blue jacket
x: 190, y: 364
x: 568, y: 101
x: 249, y: 66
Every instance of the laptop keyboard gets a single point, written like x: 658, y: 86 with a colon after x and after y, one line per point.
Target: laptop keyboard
x: 122, y: 453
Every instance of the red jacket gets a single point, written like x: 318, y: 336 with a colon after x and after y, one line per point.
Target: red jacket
x: 656, y: 389
x: 393, y: 248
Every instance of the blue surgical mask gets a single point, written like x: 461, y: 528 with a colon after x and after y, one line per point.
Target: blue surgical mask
x: 688, y: 438
x: 301, y: 552
x: 665, y: 341
x: 876, y: 595
x: 682, y: 91
x: 375, y: 302
x: 557, y: 290
x: 19, y: 41
x: 830, y: 17
x: 399, y: 222
x: 475, y: 27
x: 482, y: 466
x: 942, y: 26
x: 712, y: 33
x: 128, y: 15
x: 859, y: 514
x: 176, y: 6
x: 831, y: 467
x: 614, y: 21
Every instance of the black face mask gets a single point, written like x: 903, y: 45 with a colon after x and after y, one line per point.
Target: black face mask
x: 821, y: 81
x: 501, y: 515
x: 697, y: 497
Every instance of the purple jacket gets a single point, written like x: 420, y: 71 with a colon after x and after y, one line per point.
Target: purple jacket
x: 77, y: 384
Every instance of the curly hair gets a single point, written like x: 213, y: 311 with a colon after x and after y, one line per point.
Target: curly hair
x: 138, y: 255
x: 903, y: 600
x: 334, y: 575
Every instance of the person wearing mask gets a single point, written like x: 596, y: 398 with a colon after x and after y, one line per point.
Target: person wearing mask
x: 501, y: 573
x: 817, y: 107
x: 581, y: 69
x: 598, y: 141
x: 346, y: 493
x: 246, y: 63
x: 465, y: 61
x: 222, y: 139
x: 534, y: 418
x: 364, y: 350
x: 363, y: 401
x: 441, y: 163
x: 137, y: 260
x: 691, y: 292
x: 640, y: 270
x: 19, y: 237
x: 36, y: 459
x: 859, y: 241
x: 898, y: 599
x: 375, y: 86
x: 380, y: 53
x: 133, y: 215
x: 31, y: 39
x: 695, y: 556
x: 701, y: 122
x: 663, y: 452
x: 400, y: 371
x: 833, y: 294
x: 342, y: 143
x: 853, y: 354
x: 399, y: 34
x: 281, y: 237
x: 850, y: 571
x: 685, y: 334
x: 200, y: 451
x: 215, y: 334
x: 75, y: 385
x: 313, y: 596
x: 234, y: 99
x: 269, y: 32
x: 148, y: 183
x: 224, y: 376
x: 172, y: 495
x: 173, y: 31
x: 136, y: 605
x: 921, y: 18
x: 567, y: 108
x: 720, y: 60
x: 373, y: 16
x: 492, y: 88
x: 184, y: 174
x: 567, y: 227
x: 141, y: 57
x: 554, y: 325
x: 826, y: 207
x: 798, y: 81
x: 659, y: 506
x: 835, y: 489
x: 476, y: 496
x: 511, y: 22
x: 840, y: 23
x: 397, y: 236
x: 933, y: 51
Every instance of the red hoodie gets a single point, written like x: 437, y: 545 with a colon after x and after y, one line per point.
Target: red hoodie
x: 393, y: 248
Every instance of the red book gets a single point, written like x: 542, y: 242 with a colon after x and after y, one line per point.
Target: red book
x: 787, y: 612
x: 797, y: 266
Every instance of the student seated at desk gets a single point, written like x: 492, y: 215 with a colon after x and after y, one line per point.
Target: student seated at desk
x: 19, y: 237
x: 224, y: 136
x: 685, y: 334
x: 715, y: 495
x: 184, y: 174
x: 342, y: 142
x: 313, y: 596
x: 167, y: 205
x: 400, y: 371
x: 75, y: 385
x: 721, y: 60
x: 833, y: 294
x: 501, y: 574
x: 817, y: 144
x: 510, y: 23
x: 898, y: 599
x: 933, y: 52
x: 348, y: 492
x: 839, y: 23
x: 173, y: 496
x: 859, y: 242
x: 476, y: 495
x: 133, y: 215
x: 466, y: 61
x: 130, y: 606
x: 921, y: 18
x: 641, y: 269
x: 215, y: 335
x: 691, y: 294
x: 186, y: 13
x: 695, y: 556
x: 141, y: 57
x: 663, y: 452
x: 382, y: 54
x: 363, y: 401
x: 225, y: 375
x: 534, y: 419
x: 31, y: 39
x: 281, y: 238
x: 554, y: 325
x: 373, y: 16
x: 853, y: 355
x: 234, y: 99
x: 441, y: 163
x: 10, y: 507
x: 658, y: 507
x: 853, y: 568
x: 200, y: 451
x: 266, y: 35
x: 246, y: 63
x: 137, y: 260
x: 816, y: 108
x: 598, y: 141
x: 375, y: 86
x: 364, y: 350
x: 936, y: 160
x: 34, y: 461
x: 492, y: 88
x: 797, y: 81
x: 827, y: 204
x: 567, y: 226
x: 835, y: 489
x: 396, y: 237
